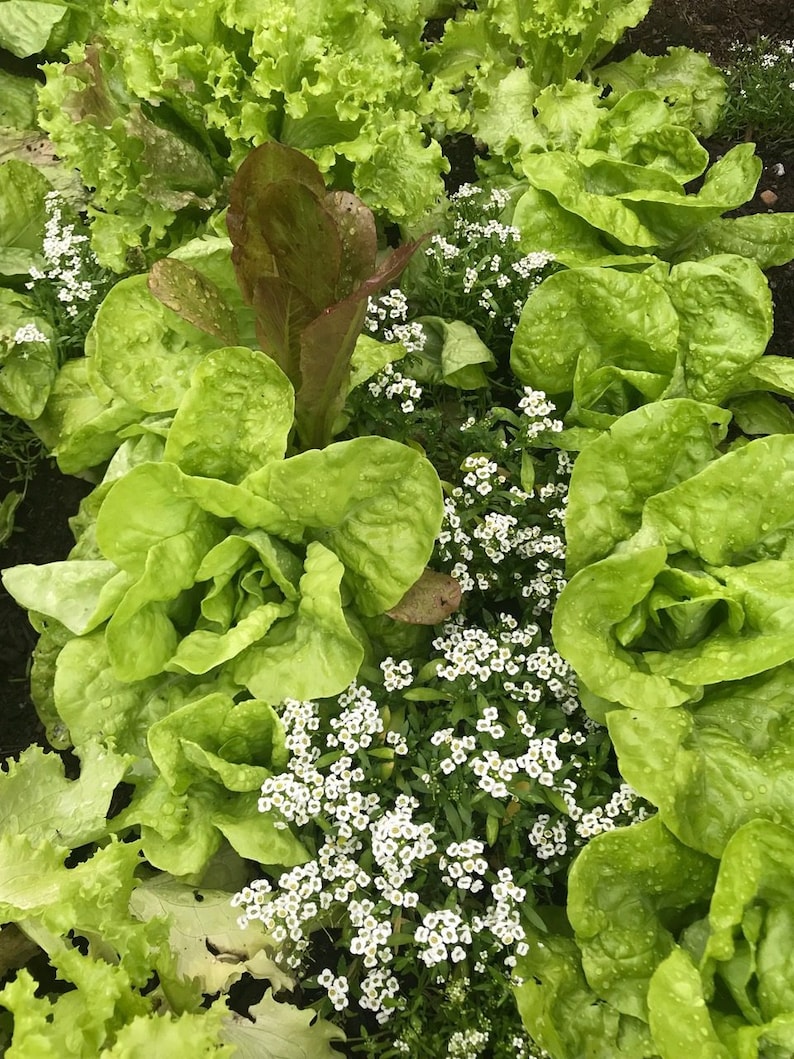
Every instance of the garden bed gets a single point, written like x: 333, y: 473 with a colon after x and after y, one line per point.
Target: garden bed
x: 374, y: 667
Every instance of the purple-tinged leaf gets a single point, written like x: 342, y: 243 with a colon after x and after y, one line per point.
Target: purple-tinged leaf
x: 265, y: 165
x: 193, y: 297
x: 303, y: 239
x: 326, y: 348
x: 429, y: 601
x: 355, y: 224
x: 283, y: 312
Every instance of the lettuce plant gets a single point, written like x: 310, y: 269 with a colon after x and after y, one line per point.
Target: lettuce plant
x: 675, y: 621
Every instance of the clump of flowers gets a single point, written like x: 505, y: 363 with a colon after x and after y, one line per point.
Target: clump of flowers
x: 760, y: 92
x: 442, y: 794
x: 72, y: 285
x: 477, y: 270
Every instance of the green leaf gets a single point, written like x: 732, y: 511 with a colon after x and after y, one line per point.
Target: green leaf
x: 27, y: 368
x: 281, y: 1031
x: 142, y: 350
x: 724, y: 308
x: 203, y: 935
x: 312, y: 654
x: 454, y: 354
x: 80, y: 594
x: 760, y: 413
x: 766, y: 238
x: 700, y: 515
x: 624, y: 893
x: 27, y: 25
x: 678, y: 1013
x: 236, y: 745
x: 691, y: 87
x: 8, y: 506
x: 561, y: 1012
x: 17, y: 102
x: 643, y: 453
x: 377, y: 504
x: 590, y: 612
x: 714, y: 766
x: 608, y: 337
x: 205, y: 440
x: 38, y: 802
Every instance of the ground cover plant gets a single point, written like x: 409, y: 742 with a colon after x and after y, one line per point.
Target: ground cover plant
x: 422, y: 687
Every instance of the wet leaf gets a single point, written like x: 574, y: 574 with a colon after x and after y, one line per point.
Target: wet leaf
x: 195, y: 298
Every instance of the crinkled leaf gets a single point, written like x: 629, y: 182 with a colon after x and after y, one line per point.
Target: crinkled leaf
x: 204, y: 936
x: 724, y: 308
x: 201, y: 650
x: 375, y: 503
x: 608, y: 337
x: 37, y: 801
x: 766, y: 238
x: 143, y: 351
x: 623, y: 893
x: 213, y: 738
x: 714, y: 766
x: 281, y: 1031
x: 312, y: 654
x: 643, y: 453
x: 194, y: 297
x: 691, y: 86
x: 235, y: 417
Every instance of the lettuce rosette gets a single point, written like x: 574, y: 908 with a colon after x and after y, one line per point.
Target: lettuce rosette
x: 682, y: 559
x: 212, y: 578
x: 677, y: 618
x: 667, y: 951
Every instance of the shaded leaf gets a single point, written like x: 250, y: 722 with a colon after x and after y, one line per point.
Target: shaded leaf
x: 429, y: 601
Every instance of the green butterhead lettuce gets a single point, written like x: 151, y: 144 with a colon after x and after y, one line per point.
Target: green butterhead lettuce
x: 702, y: 593
x: 716, y: 765
x: 696, y: 330
x: 641, y: 454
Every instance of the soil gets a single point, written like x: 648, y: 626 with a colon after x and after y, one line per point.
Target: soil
x: 42, y: 533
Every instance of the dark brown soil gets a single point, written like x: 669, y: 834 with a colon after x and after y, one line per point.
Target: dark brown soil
x: 42, y: 534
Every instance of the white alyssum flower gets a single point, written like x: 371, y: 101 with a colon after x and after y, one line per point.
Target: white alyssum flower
x: 28, y: 333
